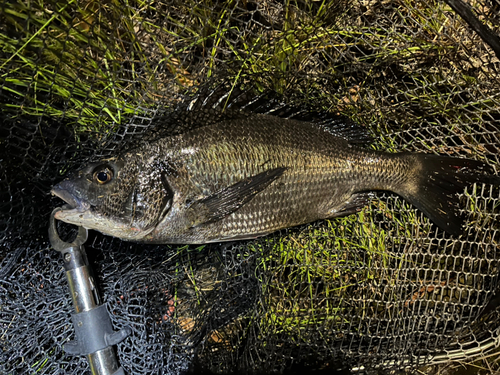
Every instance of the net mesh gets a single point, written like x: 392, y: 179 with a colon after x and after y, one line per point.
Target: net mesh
x: 380, y: 290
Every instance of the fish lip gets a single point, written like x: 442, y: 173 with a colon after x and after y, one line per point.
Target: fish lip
x: 73, y: 203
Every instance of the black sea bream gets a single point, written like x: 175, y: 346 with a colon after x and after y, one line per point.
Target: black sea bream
x: 249, y: 174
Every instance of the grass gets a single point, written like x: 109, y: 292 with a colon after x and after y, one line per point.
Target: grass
x: 313, y: 273
x: 70, y: 64
x: 96, y: 65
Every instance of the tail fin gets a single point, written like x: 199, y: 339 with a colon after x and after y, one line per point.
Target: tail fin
x: 440, y: 179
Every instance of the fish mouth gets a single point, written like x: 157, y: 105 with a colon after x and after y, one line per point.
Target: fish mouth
x: 73, y: 204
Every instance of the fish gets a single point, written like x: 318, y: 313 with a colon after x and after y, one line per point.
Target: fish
x: 252, y: 168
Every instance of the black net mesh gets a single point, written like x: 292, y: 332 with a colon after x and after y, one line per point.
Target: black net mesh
x: 382, y: 289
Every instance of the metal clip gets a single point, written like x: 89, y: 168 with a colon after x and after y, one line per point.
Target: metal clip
x: 55, y: 240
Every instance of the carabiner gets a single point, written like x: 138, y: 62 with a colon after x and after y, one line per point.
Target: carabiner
x: 56, y: 241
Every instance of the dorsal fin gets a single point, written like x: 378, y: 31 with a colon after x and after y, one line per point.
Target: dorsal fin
x: 270, y: 103
x: 225, y: 102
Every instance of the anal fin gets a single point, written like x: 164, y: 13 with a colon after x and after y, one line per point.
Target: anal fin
x: 355, y: 204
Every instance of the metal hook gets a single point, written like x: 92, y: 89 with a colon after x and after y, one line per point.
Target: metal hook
x: 56, y: 241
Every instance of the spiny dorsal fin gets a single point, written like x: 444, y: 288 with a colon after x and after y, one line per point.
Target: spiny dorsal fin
x: 225, y: 103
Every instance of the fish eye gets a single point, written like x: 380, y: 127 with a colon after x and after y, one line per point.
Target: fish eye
x: 103, y: 175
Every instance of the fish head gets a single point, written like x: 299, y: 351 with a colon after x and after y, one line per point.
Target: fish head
x: 121, y: 198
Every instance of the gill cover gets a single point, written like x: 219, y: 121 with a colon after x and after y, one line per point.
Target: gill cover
x: 150, y: 199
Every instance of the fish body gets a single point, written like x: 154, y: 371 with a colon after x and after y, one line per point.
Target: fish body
x: 251, y: 175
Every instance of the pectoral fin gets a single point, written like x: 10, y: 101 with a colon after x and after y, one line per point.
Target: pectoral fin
x: 228, y: 200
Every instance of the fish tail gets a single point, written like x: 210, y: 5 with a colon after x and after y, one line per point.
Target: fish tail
x: 436, y: 182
